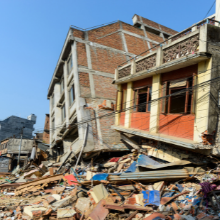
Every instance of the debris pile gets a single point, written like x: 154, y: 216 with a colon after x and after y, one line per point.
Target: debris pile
x: 130, y: 186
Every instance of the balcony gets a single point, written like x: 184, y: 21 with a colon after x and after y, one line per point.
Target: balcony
x: 181, y: 50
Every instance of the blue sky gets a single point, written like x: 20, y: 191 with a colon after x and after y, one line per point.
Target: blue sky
x: 33, y: 32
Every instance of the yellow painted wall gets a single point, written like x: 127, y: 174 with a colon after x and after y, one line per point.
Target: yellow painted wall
x: 117, y: 115
x: 129, y: 103
x: 155, y: 106
x: 202, y: 99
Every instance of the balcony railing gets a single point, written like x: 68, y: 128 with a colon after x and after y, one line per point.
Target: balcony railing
x: 178, y: 46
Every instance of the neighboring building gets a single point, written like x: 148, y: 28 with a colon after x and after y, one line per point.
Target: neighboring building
x: 30, y: 149
x: 173, y: 94
x: 12, y: 126
x: 45, y: 136
x: 81, y: 87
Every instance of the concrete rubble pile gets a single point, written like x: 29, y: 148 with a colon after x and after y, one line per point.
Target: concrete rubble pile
x: 131, y: 185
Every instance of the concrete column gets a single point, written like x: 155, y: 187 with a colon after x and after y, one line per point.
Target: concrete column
x: 125, y: 48
x: 57, y: 114
x: 118, y: 104
x: 159, y: 57
x: 155, y: 105
x: 203, y: 39
x: 217, y: 12
x: 82, y: 114
x: 129, y: 103
x: 133, y: 67
x: 202, y: 102
x: 116, y: 74
x: 89, y: 62
x: 67, y: 102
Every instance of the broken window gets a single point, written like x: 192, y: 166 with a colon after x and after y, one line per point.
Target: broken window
x: 69, y: 64
x: 180, y: 99
x: 142, y: 98
x: 72, y: 95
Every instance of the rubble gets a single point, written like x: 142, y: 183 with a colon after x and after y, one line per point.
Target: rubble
x: 132, y: 185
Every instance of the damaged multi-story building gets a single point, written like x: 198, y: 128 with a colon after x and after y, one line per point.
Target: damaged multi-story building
x: 170, y: 98
x: 81, y: 88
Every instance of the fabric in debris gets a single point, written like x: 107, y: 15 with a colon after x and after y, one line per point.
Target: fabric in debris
x: 132, y: 168
x: 151, y: 197
x: 100, y: 176
x: 144, y: 160
x: 207, y: 187
x: 114, y: 159
x: 168, y: 194
x: 180, y: 188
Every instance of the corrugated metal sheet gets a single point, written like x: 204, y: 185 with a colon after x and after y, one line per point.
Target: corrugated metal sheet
x: 151, y: 175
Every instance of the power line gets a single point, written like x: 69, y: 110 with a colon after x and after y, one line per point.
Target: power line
x: 210, y: 9
x: 134, y: 106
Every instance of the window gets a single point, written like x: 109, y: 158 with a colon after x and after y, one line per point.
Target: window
x: 69, y: 65
x: 180, y: 100
x: 72, y: 95
x: 62, y: 86
x: 142, y: 98
x: 63, y: 112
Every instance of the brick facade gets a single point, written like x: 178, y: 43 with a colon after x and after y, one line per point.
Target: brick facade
x: 84, y: 85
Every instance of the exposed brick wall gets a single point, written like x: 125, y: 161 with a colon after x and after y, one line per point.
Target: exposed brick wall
x: 78, y: 33
x: 46, y: 133
x: 132, y: 29
x: 156, y: 25
x: 81, y: 54
x: 168, y: 30
x: 109, y: 136
x: 154, y: 37
x: 98, y: 35
x: 104, y: 87
x: 154, y: 46
x: 84, y: 85
x: 106, y: 60
x: 150, y: 23
x: 136, y: 45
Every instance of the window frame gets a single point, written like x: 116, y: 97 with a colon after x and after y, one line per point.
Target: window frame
x: 136, y: 99
x: 166, y: 90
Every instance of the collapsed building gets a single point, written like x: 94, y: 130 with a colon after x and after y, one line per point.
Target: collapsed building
x: 81, y: 88
x: 169, y: 98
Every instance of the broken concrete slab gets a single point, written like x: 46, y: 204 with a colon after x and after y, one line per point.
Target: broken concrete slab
x: 64, y: 202
x: 83, y: 204
x: 34, y: 210
x: 66, y: 212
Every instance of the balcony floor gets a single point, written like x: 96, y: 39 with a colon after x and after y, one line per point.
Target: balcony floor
x: 189, y: 144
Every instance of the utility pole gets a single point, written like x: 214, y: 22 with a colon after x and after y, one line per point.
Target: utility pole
x: 18, y: 163
x: 217, y: 11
